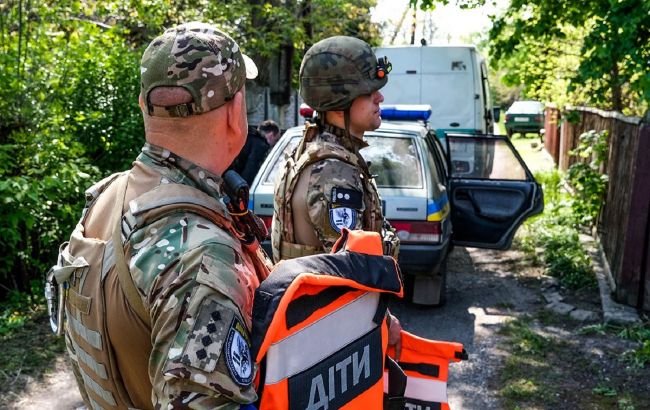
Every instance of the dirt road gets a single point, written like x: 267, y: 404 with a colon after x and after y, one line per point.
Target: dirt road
x: 486, y: 291
x: 482, y: 294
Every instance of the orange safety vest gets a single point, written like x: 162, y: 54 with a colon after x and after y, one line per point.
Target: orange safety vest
x: 426, y: 363
x: 320, y: 334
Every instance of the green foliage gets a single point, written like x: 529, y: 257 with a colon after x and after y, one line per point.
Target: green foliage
x: 524, y: 339
x: 19, y: 307
x: 604, y: 390
x: 586, y: 177
x: 540, y: 43
x: 27, y: 353
x: 69, y: 99
x: 556, y: 232
x: 640, y: 333
x: 639, y: 357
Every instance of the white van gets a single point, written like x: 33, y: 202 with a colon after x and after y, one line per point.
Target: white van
x: 452, y: 79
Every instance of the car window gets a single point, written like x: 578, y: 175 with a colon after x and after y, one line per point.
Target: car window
x: 290, y: 146
x: 438, y: 151
x: 526, y: 107
x: 394, y: 161
x: 484, y: 159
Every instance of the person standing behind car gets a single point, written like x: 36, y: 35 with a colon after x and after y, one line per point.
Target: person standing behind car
x: 159, y: 286
x: 270, y: 131
x: 326, y: 184
x: 250, y: 159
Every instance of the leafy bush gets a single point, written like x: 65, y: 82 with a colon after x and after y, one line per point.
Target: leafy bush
x: 19, y: 307
x: 586, y: 176
x: 66, y: 111
x: 69, y: 100
x: 556, y: 231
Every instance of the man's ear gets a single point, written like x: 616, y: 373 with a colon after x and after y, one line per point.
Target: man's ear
x: 235, y: 106
x: 141, y: 102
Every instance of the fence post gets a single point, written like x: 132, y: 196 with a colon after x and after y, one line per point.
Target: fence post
x: 551, y: 132
x: 633, y: 280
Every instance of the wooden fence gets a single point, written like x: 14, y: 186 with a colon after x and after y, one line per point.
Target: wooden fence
x: 624, y: 221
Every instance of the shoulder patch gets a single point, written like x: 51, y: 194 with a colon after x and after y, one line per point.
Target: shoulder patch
x: 343, y: 217
x: 238, y: 354
x: 343, y: 197
x: 203, y: 346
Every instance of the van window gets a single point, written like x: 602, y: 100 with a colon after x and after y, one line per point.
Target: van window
x: 394, y: 161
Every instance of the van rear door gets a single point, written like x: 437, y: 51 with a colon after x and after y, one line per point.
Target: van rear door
x: 403, y: 86
x: 448, y: 86
x: 491, y: 190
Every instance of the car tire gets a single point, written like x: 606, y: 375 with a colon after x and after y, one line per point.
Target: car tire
x: 509, y: 133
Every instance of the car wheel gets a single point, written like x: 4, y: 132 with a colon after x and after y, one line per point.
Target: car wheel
x: 509, y: 133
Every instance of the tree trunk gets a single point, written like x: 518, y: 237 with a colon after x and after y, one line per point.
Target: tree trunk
x: 617, y: 99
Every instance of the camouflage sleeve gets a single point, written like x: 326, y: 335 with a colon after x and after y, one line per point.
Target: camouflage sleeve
x: 199, y: 298
x: 334, y: 199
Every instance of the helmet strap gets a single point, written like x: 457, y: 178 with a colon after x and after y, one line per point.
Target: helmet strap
x: 346, y: 120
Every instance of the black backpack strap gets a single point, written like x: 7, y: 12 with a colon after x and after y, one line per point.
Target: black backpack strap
x: 394, y: 399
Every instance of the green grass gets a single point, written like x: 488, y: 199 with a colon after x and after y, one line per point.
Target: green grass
x: 28, y: 351
x: 544, y: 371
x: 640, y: 333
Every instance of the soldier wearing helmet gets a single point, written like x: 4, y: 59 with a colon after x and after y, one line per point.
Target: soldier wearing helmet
x: 326, y: 184
x: 159, y: 281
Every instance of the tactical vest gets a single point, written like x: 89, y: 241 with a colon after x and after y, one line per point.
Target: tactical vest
x: 426, y: 364
x: 319, y: 327
x: 93, y: 277
x: 309, y: 152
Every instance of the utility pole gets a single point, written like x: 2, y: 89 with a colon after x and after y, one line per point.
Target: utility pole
x: 413, y: 26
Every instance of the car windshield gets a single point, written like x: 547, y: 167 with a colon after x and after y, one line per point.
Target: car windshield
x: 526, y: 107
x: 394, y: 161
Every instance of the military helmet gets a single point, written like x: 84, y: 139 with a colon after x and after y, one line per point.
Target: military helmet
x: 339, y: 69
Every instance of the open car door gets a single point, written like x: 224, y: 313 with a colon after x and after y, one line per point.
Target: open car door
x: 490, y: 189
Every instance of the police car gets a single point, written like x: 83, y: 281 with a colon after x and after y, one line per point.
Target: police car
x: 470, y: 190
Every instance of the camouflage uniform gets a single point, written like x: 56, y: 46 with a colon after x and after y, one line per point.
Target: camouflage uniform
x: 326, y: 184
x: 193, y: 275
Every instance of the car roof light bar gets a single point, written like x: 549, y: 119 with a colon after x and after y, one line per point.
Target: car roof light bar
x: 406, y: 112
x: 306, y: 111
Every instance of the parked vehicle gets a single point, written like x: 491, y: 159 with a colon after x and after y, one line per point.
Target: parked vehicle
x: 477, y: 195
x: 525, y: 117
x: 452, y: 79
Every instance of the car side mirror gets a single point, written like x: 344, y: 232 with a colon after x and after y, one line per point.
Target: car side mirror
x: 496, y: 112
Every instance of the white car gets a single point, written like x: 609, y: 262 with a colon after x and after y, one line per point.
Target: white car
x: 476, y: 196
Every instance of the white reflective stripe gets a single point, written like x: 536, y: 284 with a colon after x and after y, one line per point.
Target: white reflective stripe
x: 89, y: 361
x: 94, y: 404
x: 97, y: 389
x: 426, y: 389
x: 92, y: 337
x: 319, y: 340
